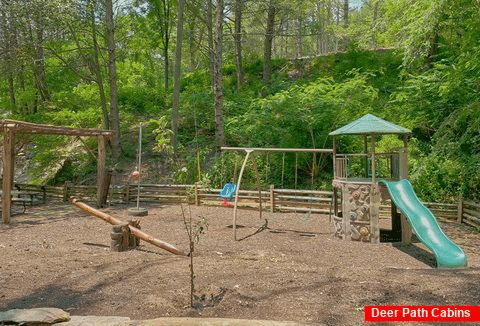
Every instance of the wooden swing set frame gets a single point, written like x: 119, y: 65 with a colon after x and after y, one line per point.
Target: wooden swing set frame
x: 9, y: 128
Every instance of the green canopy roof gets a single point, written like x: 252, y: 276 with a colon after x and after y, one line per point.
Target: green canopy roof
x: 370, y: 124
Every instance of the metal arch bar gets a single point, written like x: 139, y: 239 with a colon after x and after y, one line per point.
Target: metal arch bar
x: 234, y: 225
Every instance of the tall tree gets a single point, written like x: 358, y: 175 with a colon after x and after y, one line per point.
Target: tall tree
x: 237, y: 36
x: 162, y: 11
x: 217, y: 75
x: 345, y: 22
x: 112, y: 79
x: 211, y: 50
x: 95, y: 66
x: 268, y: 42
x: 177, y: 72
x: 36, y: 25
x: 7, y: 39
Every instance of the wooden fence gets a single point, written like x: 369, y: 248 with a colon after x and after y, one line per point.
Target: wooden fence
x: 284, y: 200
x: 469, y: 213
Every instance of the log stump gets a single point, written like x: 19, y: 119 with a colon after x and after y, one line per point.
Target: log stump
x: 122, y: 237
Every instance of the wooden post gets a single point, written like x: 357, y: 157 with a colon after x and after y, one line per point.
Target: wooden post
x: 335, y: 204
x: 347, y: 228
x: 334, y: 157
x: 127, y: 193
x: 403, y: 162
x: 374, y: 201
x: 257, y: 175
x: 403, y: 174
x: 66, y: 194
x: 101, y: 171
x: 8, y: 170
x: 44, y: 195
x: 365, y: 151
x: 272, y: 198
x: 460, y: 210
x: 133, y: 241
x: 374, y: 168
x: 117, y: 238
x: 196, y: 194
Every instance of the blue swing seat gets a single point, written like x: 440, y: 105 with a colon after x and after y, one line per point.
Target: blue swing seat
x: 228, y: 192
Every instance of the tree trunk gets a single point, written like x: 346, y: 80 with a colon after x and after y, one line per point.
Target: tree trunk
x: 374, y: 27
x: 345, y: 23
x: 21, y: 85
x: 176, y: 73
x: 112, y: 79
x: 299, y: 47
x: 267, y: 51
x: 97, y: 72
x: 210, y: 39
x: 166, y: 39
x: 217, y: 76
x: 237, y: 36
x: 166, y: 65
x: 192, y: 45
x: 161, y: 10
x: 39, y: 65
x: 8, y: 48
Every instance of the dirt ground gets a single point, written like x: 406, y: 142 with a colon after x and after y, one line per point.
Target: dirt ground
x: 292, y: 270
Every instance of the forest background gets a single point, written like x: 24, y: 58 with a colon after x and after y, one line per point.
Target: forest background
x: 200, y: 74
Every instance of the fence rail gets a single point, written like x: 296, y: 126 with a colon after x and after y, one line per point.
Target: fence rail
x: 284, y: 200
x: 469, y: 213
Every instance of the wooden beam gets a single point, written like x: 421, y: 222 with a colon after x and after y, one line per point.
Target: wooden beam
x: 34, y: 128
x: 334, y: 152
x: 8, y: 170
x: 10, y: 127
x: 101, y: 171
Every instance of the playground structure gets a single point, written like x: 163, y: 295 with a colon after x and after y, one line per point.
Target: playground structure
x: 356, y: 215
x: 125, y: 235
x: 425, y: 225
x: 361, y: 180
x: 9, y: 128
x: 137, y: 174
x: 363, y: 187
x: 227, y: 193
x: 249, y: 151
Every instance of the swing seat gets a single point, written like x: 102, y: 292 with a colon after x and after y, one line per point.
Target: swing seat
x: 227, y: 193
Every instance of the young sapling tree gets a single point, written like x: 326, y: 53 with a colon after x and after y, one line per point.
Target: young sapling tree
x: 194, y: 230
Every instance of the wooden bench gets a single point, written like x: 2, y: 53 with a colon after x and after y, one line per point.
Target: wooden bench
x: 29, y: 194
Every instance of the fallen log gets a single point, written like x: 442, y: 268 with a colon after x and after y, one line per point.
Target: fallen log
x: 112, y: 220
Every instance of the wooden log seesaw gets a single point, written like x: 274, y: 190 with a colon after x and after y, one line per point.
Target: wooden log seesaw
x: 125, y: 235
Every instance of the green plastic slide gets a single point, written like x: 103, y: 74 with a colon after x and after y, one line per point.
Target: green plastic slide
x: 425, y: 225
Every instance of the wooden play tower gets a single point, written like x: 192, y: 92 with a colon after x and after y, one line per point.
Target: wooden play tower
x: 355, y: 182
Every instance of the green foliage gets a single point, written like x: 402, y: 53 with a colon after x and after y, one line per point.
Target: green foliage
x: 60, y: 159
x: 162, y: 135
x: 87, y: 118
x: 428, y: 83
x: 302, y: 115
